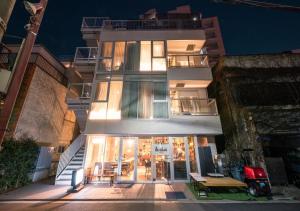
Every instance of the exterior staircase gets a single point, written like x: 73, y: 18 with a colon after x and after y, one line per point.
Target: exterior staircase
x: 71, y: 159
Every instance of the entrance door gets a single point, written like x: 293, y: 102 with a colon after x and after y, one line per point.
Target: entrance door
x: 127, y: 159
x: 161, y: 159
x: 144, y: 170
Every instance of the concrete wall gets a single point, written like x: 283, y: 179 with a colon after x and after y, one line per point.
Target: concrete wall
x: 44, y: 114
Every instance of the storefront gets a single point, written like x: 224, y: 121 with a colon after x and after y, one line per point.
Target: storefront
x: 141, y: 159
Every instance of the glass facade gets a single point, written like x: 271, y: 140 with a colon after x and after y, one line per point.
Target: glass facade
x: 141, y: 159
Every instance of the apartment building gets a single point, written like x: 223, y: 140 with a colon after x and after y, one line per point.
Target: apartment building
x: 142, y: 102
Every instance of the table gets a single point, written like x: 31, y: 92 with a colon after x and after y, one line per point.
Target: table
x: 206, y: 183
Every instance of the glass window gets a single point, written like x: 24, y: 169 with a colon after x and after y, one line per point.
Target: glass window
x: 119, y: 56
x: 130, y: 99
x: 101, y: 91
x: 114, y: 102
x: 192, y: 155
x: 105, y: 65
x: 132, y: 61
x: 145, y: 57
x: 127, y: 169
x: 98, y: 110
x: 145, y: 100
x: 106, y: 50
x: 158, y: 49
x: 159, y: 64
x: 160, y: 103
x: 179, y: 158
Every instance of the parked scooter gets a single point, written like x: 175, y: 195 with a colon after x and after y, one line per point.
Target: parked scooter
x: 255, y: 177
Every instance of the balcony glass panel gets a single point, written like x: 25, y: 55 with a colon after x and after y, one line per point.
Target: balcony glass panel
x: 79, y: 90
x: 191, y: 106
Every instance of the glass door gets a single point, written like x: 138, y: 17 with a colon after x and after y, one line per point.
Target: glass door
x: 161, y: 159
x: 144, y: 171
x: 127, y: 159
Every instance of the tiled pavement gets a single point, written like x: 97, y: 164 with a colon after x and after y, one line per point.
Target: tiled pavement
x: 41, y: 191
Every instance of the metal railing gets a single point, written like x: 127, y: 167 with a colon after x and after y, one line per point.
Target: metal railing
x: 193, y: 107
x: 150, y: 24
x: 92, y: 22
x: 70, y: 152
x: 85, y: 54
x: 187, y: 61
x: 79, y: 91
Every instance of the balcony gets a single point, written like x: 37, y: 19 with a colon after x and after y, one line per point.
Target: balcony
x: 78, y: 100
x: 92, y: 23
x: 79, y: 91
x: 99, y: 23
x: 187, y: 61
x: 85, y: 55
x: 193, y: 107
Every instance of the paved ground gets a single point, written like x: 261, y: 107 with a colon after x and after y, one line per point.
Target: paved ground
x: 40, y: 191
x: 150, y: 206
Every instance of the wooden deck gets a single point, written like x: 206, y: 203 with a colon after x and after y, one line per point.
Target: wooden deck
x: 222, y: 182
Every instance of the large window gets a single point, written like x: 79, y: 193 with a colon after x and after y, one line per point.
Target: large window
x: 132, y: 61
x: 152, y: 57
x: 145, y: 57
x: 106, y: 57
x: 186, y: 53
x: 107, y: 108
x: 119, y: 56
x: 144, y: 99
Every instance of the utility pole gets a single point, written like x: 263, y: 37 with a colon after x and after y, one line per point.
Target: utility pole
x: 37, y: 12
x: 6, y: 7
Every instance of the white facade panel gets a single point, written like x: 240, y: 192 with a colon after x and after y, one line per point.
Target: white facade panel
x: 192, y: 125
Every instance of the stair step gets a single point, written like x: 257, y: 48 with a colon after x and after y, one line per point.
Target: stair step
x: 63, y: 182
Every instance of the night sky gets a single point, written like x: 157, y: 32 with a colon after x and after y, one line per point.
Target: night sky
x: 246, y: 30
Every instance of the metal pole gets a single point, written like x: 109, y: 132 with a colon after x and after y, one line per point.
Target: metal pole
x: 20, y: 69
x: 6, y: 7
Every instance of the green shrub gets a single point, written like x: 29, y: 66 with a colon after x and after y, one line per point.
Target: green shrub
x: 17, y: 162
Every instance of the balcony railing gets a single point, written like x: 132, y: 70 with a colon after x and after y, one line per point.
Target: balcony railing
x: 187, y: 61
x: 193, y: 107
x: 86, y: 55
x: 79, y: 91
x: 92, y: 22
x: 150, y: 24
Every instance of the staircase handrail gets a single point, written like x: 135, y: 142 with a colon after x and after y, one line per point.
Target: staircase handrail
x: 69, y: 153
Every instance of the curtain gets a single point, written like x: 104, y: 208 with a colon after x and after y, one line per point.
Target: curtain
x: 160, y: 104
x: 119, y: 56
x: 130, y: 99
x: 145, y: 99
x: 132, y: 56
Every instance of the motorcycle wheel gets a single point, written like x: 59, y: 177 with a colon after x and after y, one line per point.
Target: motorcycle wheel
x: 253, y: 189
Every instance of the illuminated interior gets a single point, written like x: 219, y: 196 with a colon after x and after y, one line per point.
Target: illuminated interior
x: 110, y: 109
x: 186, y: 53
x: 134, y: 159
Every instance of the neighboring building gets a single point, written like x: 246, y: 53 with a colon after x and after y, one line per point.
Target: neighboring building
x: 40, y: 111
x: 259, y: 105
x: 142, y: 105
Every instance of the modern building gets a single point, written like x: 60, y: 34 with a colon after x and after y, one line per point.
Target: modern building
x: 142, y: 102
x: 259, y: 98
x: 40, y: 110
